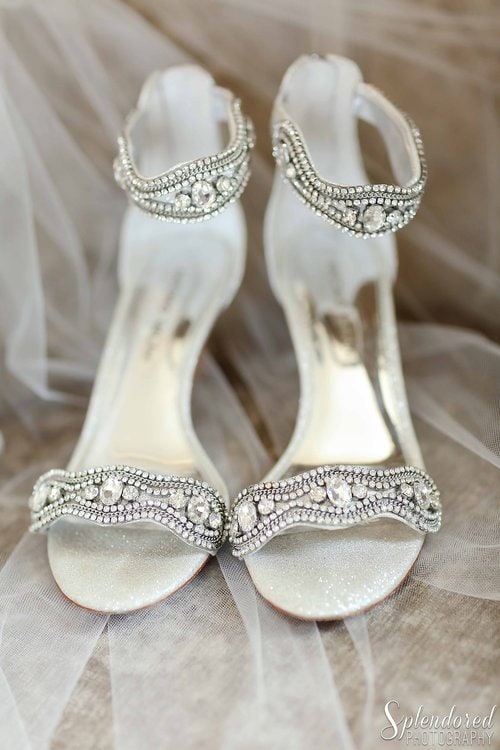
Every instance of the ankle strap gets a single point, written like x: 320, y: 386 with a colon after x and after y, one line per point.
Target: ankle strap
x: 195, y: 190
x: 361, y: 210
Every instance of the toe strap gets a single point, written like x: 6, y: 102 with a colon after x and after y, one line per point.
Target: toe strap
x: 333, y: 497
x: 109, y: 495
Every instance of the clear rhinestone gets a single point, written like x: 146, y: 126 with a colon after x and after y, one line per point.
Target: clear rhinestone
x: 39, y: 498
x: 265, y: 506
x: 182, y: 202
x: 373, y: 218
x: 215, y: 520
x: 423, y: 494
x: 198, y: 509
x: 54, y: 494
x: 247, y: 516
x: 90, y: 492
x: 117, y: 171
x: 338, y: 491
x: 434, y: 499
x: 317, y: 493
x: 360, y: 491
x: 203, y: 194
x: 130, y: 492
x: 111, y: 491
x: 395, y: 217
x: 407, y: 489
x: 177, y: 499
x: 290, y: 172
x: 350, y: 216
x: 282, y: 154
x: 224, y: 185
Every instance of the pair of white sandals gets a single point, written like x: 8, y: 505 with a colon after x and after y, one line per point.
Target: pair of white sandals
x: 141, y: 508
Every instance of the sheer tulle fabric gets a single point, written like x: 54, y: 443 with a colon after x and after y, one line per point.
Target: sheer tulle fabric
x: 214, y: 660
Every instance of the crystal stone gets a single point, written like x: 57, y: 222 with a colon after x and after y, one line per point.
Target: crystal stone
x: 423, y: 494
x: 111, y: 491
x: 203, y: 194
x: 54, y: 494
x: 247, y: 516
x: 90, y: 492
x: 282, y: 154
x: 350, y: 216
x: 339, y: 205
x: 317, y: 493
x: 407, y: 489
x: 39, y: 498
x: 395, y: 217
x: 215, y: 520
x: 338, y: 491
x: 182, y: 202
x: 360, y: 491
x: 224, y: 184
x: 373, y: 218
x: 117, y: 171
x: 198, y: 509
x: 130, y: 492
x: 177, y: 499
x: 266, y: 506
x: 290, y: 172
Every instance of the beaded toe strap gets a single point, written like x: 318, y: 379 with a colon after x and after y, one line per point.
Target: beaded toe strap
x: 333, y: 497
x: 116, y: 495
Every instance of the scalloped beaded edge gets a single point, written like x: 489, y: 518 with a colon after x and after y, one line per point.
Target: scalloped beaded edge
x: 333, y: 497
x: 110, y: 495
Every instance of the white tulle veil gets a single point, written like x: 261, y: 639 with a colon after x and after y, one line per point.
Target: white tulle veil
x: 215, y: 666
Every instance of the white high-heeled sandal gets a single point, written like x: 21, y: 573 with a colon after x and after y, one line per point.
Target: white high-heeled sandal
x: 319, y: 535
x: 141, y: 507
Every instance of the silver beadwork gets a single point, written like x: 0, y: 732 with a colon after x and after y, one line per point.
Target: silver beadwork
x: 334, y: 497
x: 361, y: 210
x: 195, y: 190
x: 123, y: 494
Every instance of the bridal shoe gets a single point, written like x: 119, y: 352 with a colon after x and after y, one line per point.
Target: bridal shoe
x: 341, y: 518
x: 140, y: 508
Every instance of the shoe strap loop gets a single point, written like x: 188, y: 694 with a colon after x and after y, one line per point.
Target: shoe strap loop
x: 361, y: 210
x: 189, y: 191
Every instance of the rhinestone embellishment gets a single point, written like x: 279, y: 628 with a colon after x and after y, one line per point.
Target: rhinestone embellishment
x: 39, y: 498
x: 182, y: 202
x: 192, y: 191
x: 355, y: 494
x: 90, y: 492
x: 178, y: 499
x: 198, y: 509
x: 317, y: 493
x: 360, y: 210
x: 130, y: 492
x: 203, y: 194
x: 406, y: 489
x: 111, y: 491
x: 224, y: 185
x: 360, y: 491
x: 247, y: 516
x: 338, y: 491
x: 266, y: 506
x: 373, y: 218
x: 123, y: 494
x: 423, y: 494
